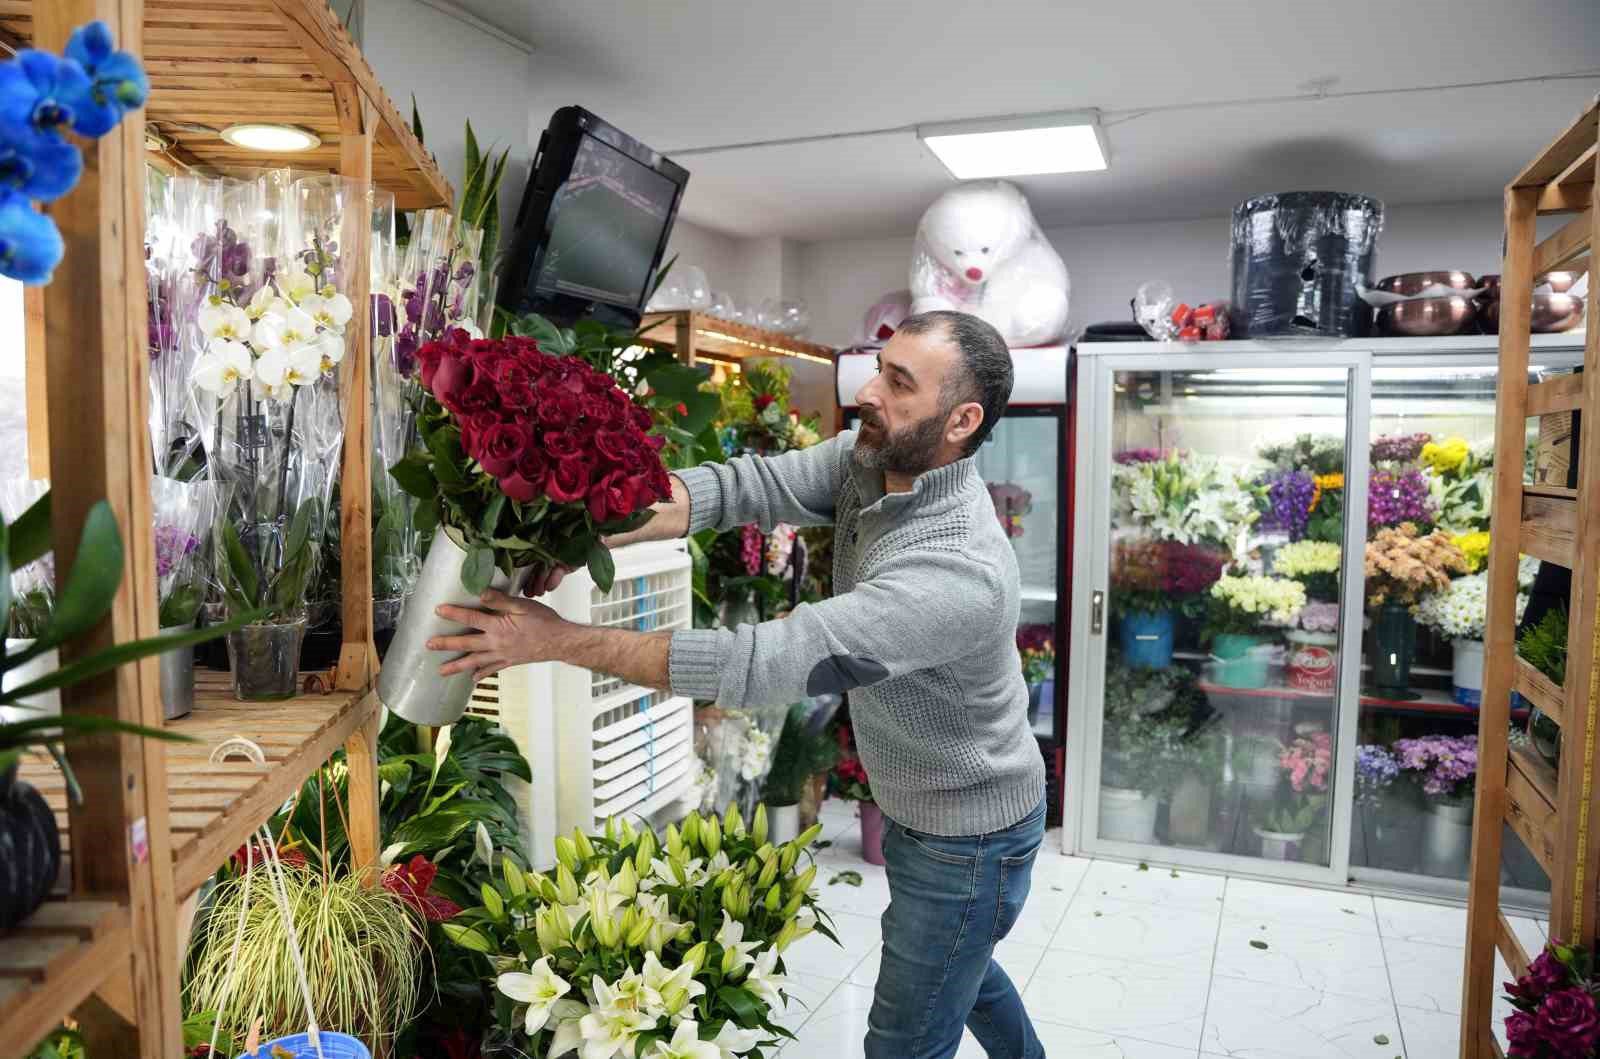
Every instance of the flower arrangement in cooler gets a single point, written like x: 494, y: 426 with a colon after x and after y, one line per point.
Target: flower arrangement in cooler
x: 1319, y: 617
x: 1305, y: 764
x: 1185, y: 497
x: 1037, y: 646
x: 647, y: 949
x: 1398, y: 497
x: 1444, y: 766
x: 1376, y: 770
x: 1404, y: 449
x: 1460, y: 482
x: 184, y: 515
x: 1404, y: 566
x: 1556, y: 1015
x: 1315, y: 564
x: 1011, y: 503
x: 736, y: 746
x: 86, y: 90
x: 1149, y: 717
x: 1244, y: 605
x: 1474, y: 548
x: 1315, y: 453
x: 528, y: 459
x: 1459, y: 610
x: 1152, y: 576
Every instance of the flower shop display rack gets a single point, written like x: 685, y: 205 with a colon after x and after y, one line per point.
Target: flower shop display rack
x: 1555, y: 810
x: 157, y: 819
x: 695, y: 336
x: 1231, y: 658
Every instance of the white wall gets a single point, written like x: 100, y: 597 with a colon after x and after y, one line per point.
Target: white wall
x: 456, y: 72
x: 718, y: 254
x: 841, y: 279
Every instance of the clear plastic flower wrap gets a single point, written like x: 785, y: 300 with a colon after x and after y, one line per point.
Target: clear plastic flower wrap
x: 1166, y: 319
x: 33, y: 588
x: 184, y: 514
x: 736, y: 746
x: 435, y: 290
x: 395, y: 546
x: 176, y: 209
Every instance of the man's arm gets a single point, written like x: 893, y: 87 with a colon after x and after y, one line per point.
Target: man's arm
x: 799, y: 488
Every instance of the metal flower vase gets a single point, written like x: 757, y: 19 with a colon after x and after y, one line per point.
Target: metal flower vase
x: 409, y: 683
x: 1447, y: 837
x: 177, y: 677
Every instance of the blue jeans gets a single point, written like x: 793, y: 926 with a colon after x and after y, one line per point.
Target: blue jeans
x: 950, y: 901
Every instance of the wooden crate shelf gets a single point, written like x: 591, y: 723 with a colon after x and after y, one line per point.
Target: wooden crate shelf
x: 215, y: 806
x: 1531, y: 805
x: 1542, y: 692
x: 215, y: 63
x: 1563, y: 393
x: 1549, y: 526
x: 53, y: 962
x: 692, y: 335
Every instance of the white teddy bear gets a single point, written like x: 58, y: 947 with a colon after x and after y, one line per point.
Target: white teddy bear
x: 979, y: 251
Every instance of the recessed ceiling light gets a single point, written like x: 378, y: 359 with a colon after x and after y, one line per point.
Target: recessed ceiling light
x: 1048, y: 143
x: 278, y: 139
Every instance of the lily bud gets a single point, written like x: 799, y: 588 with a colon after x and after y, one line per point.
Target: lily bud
x: 730, y: 899
x: 696, y: 957
x: 803, y: 882
x: 641, y: 930
x: 809, y: 836
x: 674, y: 840
x: 544, y: 927
x: 732, y: 822
x: 644, y: 854
x: 711, y: 836
x: 797, y: 901
x: 787, y: 936
x: 774, y: 899
x: 787, y: 858
x: 535, y: 882
x: 612, y: 832
x: 768, y: 874
x: 605, y: 928
x: 627, y: 880
x: 629, y: 833
x: 566, y: 853
x: 758, y: 829
x: 566, y: 886
x: 691, y: 829
x: 585, y: 847
x: 548, y: 891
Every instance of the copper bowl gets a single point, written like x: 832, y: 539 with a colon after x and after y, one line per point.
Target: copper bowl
x: 1552, y: 313
x: 1408, y: 284
x: 1560, y: 282
x: 1424, y: 317
x: 1490, y: 285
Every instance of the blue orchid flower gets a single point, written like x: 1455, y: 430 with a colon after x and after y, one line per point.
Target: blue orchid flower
x: 40, y: 92
x: 30, y: 246
x: 36, y: 166
x: 117, y: 82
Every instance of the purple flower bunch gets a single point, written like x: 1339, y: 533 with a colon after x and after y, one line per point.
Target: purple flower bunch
x: 1396, y: 497
x: 1399, y: 448
x: 1289, y: 498
x: 1128, y: 456
x: 1556, y: 1016
x: 1320, y: 617
x: 1446, y: 765
x: 174, y: 544
x: 1376, y: 769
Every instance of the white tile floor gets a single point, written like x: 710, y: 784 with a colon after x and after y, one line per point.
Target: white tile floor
x: 1119, y: 963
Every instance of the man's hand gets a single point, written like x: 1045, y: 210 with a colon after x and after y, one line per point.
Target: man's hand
x: 508, y: 632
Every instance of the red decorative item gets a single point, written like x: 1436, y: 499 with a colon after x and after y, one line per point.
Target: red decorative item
x: 410, y: 882
x: 1312, y: 667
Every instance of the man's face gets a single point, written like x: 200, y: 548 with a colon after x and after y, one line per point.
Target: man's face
x: 904, y: 416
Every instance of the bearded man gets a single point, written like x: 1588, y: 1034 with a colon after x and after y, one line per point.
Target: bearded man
x: 921, y: 633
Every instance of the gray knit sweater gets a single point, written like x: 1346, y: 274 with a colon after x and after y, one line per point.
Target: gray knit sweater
x: 921, y: 632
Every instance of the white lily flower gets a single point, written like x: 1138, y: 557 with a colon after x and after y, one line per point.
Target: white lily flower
x: 222, y: 367
x: 668, y: 990
x: 765, y: 981
x: 612, y: 1025
x: 539, y: 989
x: 266, y: 300
x: 686, y: 1044
x: 224, y: 321
x: 330, y: 312
x: 733, y: 1042
x: 285, y: 330
x: 387, y: 857
x: 567, y: 1018
x: 731, y: 938
x: 297, y: 284
x: 482, y: 847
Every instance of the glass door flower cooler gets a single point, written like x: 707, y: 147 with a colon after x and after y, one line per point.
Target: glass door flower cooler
x: 1024, y: 463
x: 1278, y: 607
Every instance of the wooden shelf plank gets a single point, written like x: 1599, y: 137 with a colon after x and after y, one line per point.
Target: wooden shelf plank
x: 1570, y: 240
x: 1565, y: 149
x: 54, y: 962
x: 1542, y: 692
x: 1531, y: 806
x: 725, y: 339
x: 1549, y: 527
x: 215, y: 806
x: 1510, y: 947
x: 1562, y: 393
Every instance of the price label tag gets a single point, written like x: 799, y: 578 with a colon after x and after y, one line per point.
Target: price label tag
x: 253, y: 432
x: 139, y: 840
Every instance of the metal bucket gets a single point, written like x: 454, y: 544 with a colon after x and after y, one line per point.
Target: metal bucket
x: 177, y: 677
x: 409, y: 683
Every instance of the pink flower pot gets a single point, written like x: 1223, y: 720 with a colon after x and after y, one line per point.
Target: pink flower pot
x: 871, y: 833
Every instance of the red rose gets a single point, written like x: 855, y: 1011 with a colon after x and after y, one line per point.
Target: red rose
x: 1568, y: 1023
x: 762, y: 401
x: 641, y: 417
x: 642, y: 488
x: 561, y: 445
x: 594, y: 406
x: 613, y: 445
x: 501, y: 449
x: 569, y: 480
x: 484, y: 349
x: 599, y: 382
x: 429, y: 357
x: 481, y: 396
x: 452, y: 379
x: 681, y: 408
x: 526, y: 484
x: 611, y: 498
x: 557, y: 408
x: 473, y: 427
x: 655, y: 441
x: 516, y: 396
x: 509, y: 371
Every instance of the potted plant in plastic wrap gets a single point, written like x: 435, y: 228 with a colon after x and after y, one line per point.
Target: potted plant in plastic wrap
x: 184, y: 515
x: 804, y: 749
x: 274, y: 323
x: 1403, y: 567
x: 1152, y: 583
x: 1544, y: 647
x: 1239, y: 614
x: 524, y: 460
x: 643, y: 947
x: 1301, y: 796
x: 1142, y: 751
x: 1445, y: 768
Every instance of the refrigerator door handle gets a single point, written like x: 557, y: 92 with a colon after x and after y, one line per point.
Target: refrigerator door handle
x: 1097, y: 613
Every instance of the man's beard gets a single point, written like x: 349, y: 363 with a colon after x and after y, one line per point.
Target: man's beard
x: 910, y: 450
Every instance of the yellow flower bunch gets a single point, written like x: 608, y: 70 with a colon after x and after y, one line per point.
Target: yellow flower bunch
x: 1445, y: 457
x: 1475, y: 546
x: 1306, y: 557
x: 1324, y: 483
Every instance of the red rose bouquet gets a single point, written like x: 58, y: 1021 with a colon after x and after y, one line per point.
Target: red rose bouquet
x: 527, y: 459
x: 1556, y: 1016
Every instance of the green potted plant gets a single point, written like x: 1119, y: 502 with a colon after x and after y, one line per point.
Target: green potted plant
x: 1147, y: 716
x: 804, y: 749
x: 1544, y: 647
x: 1300, y: 798
x: 1239, y: 613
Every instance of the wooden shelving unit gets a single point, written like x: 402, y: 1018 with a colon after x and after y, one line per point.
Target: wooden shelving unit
x: 1556, y: 812
x: 160, y: 818
x: 694, y: 336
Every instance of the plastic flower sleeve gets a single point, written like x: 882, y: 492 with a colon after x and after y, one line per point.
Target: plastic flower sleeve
x: 437, y: 288
x: 184, y: 513
x: 736, y: 746
x: 33, y: 588
x: 174, y: 207
x: 395, y: 552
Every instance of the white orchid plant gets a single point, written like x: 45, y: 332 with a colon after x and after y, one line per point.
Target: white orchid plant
x: 640, y: 950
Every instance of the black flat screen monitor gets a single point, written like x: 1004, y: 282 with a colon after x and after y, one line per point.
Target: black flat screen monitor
x: 593, y: 224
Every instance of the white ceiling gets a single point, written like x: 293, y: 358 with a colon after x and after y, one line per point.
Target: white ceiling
x: 685, y: 76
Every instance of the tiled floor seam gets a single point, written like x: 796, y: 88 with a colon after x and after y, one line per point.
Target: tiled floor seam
x: 1211, y: 971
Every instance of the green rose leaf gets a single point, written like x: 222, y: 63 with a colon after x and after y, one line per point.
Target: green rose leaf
x: 478, y: 570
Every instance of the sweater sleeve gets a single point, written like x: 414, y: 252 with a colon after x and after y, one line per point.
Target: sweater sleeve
x: 915, y: 612
x: 798, y: 488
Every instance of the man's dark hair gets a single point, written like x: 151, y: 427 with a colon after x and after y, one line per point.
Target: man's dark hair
x: 983, y: 370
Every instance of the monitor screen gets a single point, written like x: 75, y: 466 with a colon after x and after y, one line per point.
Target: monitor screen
x: 605, y: 227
